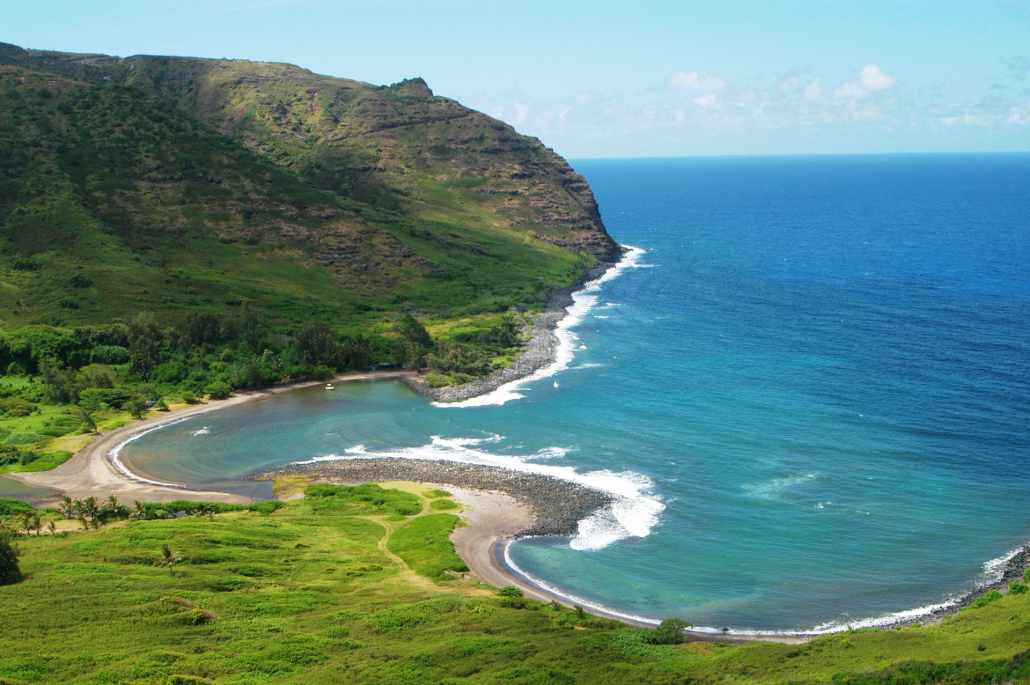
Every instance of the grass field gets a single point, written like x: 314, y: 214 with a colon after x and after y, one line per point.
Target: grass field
x: 359, y: 585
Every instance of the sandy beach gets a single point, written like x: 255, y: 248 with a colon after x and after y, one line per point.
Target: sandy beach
x: 91, y: 472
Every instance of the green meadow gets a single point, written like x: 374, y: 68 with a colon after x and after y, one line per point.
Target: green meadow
x: 361, y: 585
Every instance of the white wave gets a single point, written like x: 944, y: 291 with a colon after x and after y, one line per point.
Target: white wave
x: 203, y: 431
x: 823, y: 629
x: 114, y: 455
x: 994, y: 569
x: 587, y: 365
x: 600, y: 316
x: 633, y: 513
x: 583, y: 300
x: 550, y: 453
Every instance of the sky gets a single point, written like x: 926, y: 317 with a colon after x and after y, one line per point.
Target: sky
x: 625, y: 79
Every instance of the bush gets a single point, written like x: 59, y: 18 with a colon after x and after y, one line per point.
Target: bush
x: 513, y: 603
x: 989, y: 596
x: 1026, y: 575
x: 510, y: 591
x: 267, y: 507
x: 9, y: 571
x: 670, y: 631
x: 218, y: 390
x: 443, y: 505
x: 11, y: 507
x: 16, y: 407
x: 110, y: 354
x: 1017, y: 588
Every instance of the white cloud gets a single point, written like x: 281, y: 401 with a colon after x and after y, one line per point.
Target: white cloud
x: 814, y: 89
x: 693, y: 81
x: 706, y: 100
x: 871, y: 79
x: 1020, y: 116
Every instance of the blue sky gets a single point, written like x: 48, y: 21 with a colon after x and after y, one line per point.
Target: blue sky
x: 624, y: 79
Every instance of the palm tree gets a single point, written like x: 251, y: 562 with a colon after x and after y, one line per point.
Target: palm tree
x: 89, y: 512
x: 52, y: 527
x: 112, y: 506
x: 168, y: 558
x: 89, y: 425
x: 79, y: 508
x: 139, y: 512
x: 67, y: 506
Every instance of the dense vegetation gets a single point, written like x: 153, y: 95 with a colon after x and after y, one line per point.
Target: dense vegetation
x: 173, y: 228
x: 329, y: 589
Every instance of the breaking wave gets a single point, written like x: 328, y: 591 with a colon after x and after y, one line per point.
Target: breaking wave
x: 633, y: 513
x: 583, y: 300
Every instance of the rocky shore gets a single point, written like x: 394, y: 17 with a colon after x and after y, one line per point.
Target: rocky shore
x: 538, y: 353
x: 557, y: 505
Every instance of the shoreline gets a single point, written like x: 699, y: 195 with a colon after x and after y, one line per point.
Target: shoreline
x: 535, y: 498
x: 92, y: 471
x: 540, y: 351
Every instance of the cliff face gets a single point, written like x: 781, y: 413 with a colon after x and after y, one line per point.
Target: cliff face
x: 348, y: 196
x: 395, y: 146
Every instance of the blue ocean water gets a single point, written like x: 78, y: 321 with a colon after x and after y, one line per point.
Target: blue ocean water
x: 812, y: 391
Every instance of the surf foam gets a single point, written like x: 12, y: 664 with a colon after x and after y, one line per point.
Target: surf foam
x: 633, y: 513
x: 583, y: 300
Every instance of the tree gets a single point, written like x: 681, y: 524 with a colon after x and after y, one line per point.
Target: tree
x: 252, y: 332
x: 67, y: 506
x: 144, y: 336
x: 112, y: 507
x: 414, y: 356
x: 218, y: 390
x: 411, y: 329
x: 136, y: 407
x: 9, y: 571
x: 88, y: 424
x: 88, y: 511
x: 507, y: 332
x: 670, y: 631
x: 315, y: 344
x: 139, y: 511
x: 168, y: 558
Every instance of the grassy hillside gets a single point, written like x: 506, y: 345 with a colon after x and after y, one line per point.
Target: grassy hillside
x: 332, y: 589
x: 175, y: 184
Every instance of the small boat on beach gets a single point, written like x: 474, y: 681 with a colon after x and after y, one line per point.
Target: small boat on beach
x: 329, y: 386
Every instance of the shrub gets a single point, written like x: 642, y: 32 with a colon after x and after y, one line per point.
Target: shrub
x: 218, y: 390
x: 1026, y: 575
x: 510, y: 591
x: 110, y: 354
x: 443, y: 504
x: 136, y: 408
x: 989, y: 596
x: 1017, y: 588
x: 23, y: 438
x: 513, y: 602
x: 10, y: 506
x: 267, y: 507
x: 9, y: 571
x: 16, y: 407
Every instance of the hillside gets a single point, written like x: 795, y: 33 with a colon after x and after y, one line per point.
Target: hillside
x: 170, y: 183
x: 357, y: 585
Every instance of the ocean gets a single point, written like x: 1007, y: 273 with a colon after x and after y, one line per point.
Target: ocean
x: 808, y: 382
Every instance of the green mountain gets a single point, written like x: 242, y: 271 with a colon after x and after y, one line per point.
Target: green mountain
x: 170, y: 184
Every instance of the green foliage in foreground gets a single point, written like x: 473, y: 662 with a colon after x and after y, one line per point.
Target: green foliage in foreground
x: 424, y: 544
x: 303, y: 593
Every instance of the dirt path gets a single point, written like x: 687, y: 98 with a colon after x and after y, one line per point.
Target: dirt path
x: 406, y: 573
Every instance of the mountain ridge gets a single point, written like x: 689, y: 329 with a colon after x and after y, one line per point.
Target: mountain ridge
x: 401, y: 198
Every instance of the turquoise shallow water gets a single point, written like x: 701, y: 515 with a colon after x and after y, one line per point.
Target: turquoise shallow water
x: 811, y: 390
